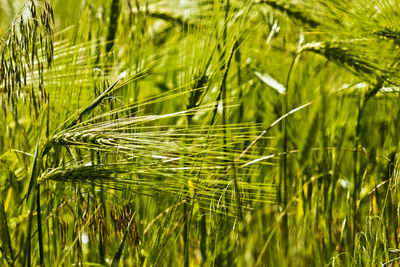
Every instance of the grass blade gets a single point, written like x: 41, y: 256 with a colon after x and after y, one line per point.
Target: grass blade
x: 117, y: 256
x: 5, y: 235
x: 36, y: 160
x: 92, y: 105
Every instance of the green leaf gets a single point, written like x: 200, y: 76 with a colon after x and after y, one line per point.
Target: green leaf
x: 271, y: 82
x: 117, y: 256
x: 4, y: 235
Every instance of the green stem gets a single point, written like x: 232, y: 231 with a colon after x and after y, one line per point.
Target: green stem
x: 284, y: 184
x: 39, y: 223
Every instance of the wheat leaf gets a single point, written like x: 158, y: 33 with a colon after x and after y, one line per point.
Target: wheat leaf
x: 117, y: 256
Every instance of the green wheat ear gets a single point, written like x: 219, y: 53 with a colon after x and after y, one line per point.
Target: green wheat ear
x: 342, y: 54
x: 149, y: 160
x: 294, y: 11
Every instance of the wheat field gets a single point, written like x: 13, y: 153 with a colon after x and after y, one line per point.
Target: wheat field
x: 199, y: 133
